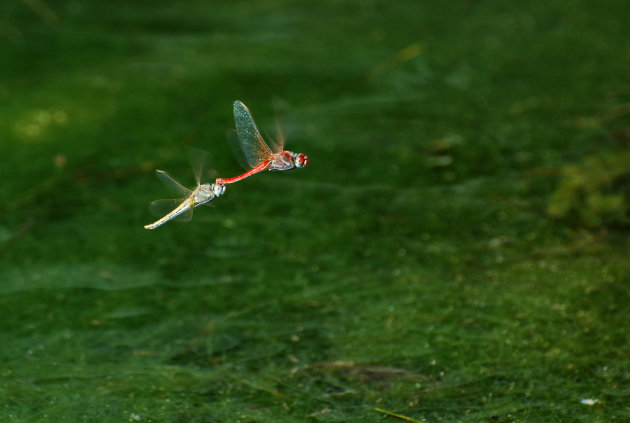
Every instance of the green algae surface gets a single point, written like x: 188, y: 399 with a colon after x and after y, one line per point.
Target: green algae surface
x: 442, y: 258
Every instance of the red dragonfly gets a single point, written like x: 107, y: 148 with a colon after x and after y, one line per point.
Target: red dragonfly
x: 257, y: 153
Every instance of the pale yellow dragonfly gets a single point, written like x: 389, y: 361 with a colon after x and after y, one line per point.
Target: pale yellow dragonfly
x: 182, y: 208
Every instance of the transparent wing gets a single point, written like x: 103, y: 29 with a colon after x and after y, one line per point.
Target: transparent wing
x: 278, y: 145
x: 254, y: 147
x: 281, y: 110
x: 173, y: 184
x: 164, y: 207
x: 235, y: 145
x: 199, y: 161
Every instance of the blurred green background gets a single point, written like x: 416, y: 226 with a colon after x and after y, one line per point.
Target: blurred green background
x: 456, y: 250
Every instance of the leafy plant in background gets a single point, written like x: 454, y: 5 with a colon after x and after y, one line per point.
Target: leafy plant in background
x: 595, y: 193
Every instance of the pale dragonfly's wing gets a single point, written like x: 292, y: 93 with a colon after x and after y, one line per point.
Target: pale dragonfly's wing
x: 199, y: 163
x: 252, y: 144
x: 173, y: 184
x: 164, y: 207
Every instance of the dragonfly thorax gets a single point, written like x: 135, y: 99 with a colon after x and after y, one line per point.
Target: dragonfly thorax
x: 286, y: 160
x: 203, y: 194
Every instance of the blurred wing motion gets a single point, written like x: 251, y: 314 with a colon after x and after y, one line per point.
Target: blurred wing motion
x: 198, y: 161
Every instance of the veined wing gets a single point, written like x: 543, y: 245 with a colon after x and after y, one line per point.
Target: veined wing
x: 252, y: 144
x: 235, y: 145
x: 173, y: 184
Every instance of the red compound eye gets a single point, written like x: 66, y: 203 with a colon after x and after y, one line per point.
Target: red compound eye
x: 301, y: 160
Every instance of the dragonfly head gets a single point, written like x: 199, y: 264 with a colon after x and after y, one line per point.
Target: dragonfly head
x: 218, y: 189
x: 301, y: 160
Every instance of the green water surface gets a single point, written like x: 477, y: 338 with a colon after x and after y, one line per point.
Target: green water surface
x: 413, y: 271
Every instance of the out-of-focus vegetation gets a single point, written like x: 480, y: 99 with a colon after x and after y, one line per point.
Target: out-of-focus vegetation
x: 595, y: 193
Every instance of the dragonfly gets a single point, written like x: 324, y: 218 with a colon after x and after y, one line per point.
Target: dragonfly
x: 182, y: 208
x: 258, y: 155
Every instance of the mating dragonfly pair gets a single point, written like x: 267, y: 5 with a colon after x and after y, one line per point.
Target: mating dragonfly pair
x: 259, y: 157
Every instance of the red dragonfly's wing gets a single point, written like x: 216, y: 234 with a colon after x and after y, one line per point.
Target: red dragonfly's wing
x: 278, y: 145
x: 254, y: 147
x: 235, y: 145
x: 280, y: 108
